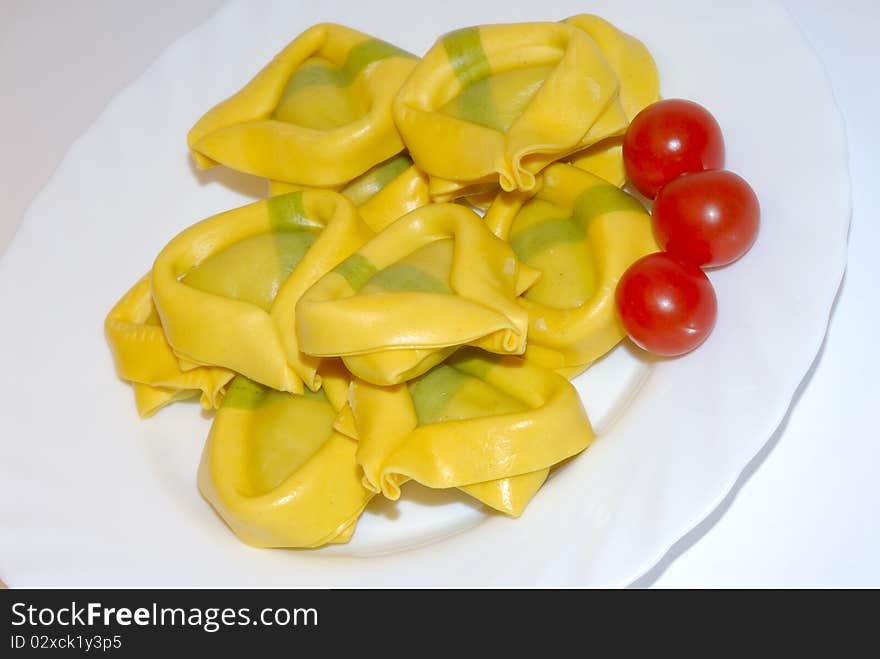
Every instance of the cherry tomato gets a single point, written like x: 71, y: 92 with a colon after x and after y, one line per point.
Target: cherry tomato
x: 670, y: 138
x: 668, y: 307
x: 707, y: 218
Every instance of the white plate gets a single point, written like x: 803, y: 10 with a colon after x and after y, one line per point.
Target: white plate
x: 90, y: 495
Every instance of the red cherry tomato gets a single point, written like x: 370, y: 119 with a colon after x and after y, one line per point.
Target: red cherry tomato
x: 667, y: 307
x: 670, y: 138
x: 708, y: 218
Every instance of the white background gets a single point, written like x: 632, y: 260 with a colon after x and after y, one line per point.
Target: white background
x: 807, y: 510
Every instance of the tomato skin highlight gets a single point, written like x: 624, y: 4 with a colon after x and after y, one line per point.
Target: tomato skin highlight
x: 670, y: 138
x: 708, y: 218
x: 667, y: 307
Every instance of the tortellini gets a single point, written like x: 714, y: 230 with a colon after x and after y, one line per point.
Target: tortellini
x: 498, y: 103
x: 438, y: 268
x: 581, y: 233
x: 144, y: 358
x: 488, y: 107
x: 226, y: 289
x: 364, y: 326
x: 318, y: 115
x: 275, y: 470
x: 442, y: 429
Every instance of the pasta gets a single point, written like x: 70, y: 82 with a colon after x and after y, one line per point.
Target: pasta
x: 226, y: 289
x: 439, y: 268
x: 143, y: 357
x: 363, y: 326
x: 318, y: 115
x: 443, y: 428
x: 498, y: 103
x: 277, y: 473
x: 631, y: 61
x: 391, y: 409
x: 639, y: 87
x: 382, y: 194
x: 581, y: 233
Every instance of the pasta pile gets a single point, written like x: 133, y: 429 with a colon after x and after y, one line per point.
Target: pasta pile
x: 363, y: 325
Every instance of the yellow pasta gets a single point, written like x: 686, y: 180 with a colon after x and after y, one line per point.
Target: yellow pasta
x: 226, y: 289
x: 498, y: 103
x: 630, y: 59
x: 488, y: 424
x: 395, y: 404
x: 604, y: 160
x: 639, y: 87
x: 433, y: 280
x: 318, y: 115
x: 386, y: 192
x: 143, y: 357
x: 277, y: 473
x: 581, y: 233
x: 364, y: 326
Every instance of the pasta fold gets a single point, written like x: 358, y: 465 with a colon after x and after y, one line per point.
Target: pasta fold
x: 226, y: 288
x: 604, y: 160
x: 581, y: 233
x: 277, y: 473
x: 382, y: 194
x: 506, y: 495
x: 144, y: 358
x: 488, y: 424
x: 433, y: 280
x: 498, y: 103
x: 630, y: 59
x: 318, y: 115
x: 639, y: 87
